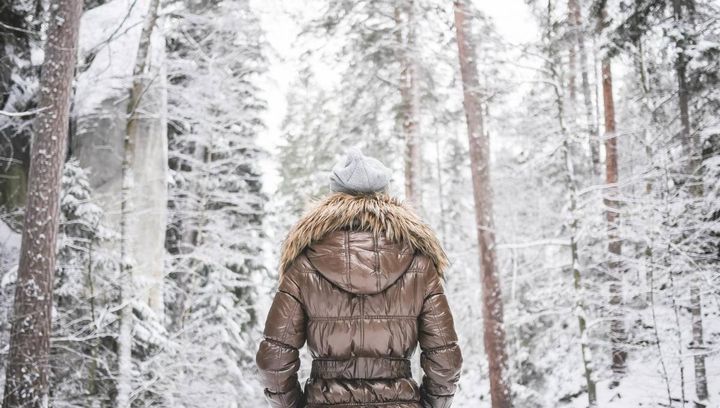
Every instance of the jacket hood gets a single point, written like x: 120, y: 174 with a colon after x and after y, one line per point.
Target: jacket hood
x: 360, y: 262
x: 362, y: 243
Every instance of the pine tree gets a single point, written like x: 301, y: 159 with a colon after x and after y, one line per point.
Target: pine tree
x: 82, y: 357
x: 389, y: 97
x: 216, y: 60
x: 617, y: 327
x: 494, y: 332
x: 677, y: 21
x: 26, y: 381
x: 308, y: 122
x: 369, y: 65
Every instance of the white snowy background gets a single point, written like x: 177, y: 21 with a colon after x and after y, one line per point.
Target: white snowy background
x: 251, y: 102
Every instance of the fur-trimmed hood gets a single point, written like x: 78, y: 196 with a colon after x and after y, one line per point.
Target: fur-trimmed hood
x: 379, y: 213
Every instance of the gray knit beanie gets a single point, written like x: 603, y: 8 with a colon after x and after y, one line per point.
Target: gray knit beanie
x: 359, y: 174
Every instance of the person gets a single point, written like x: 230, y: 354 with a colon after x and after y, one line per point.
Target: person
x: 361, y: 282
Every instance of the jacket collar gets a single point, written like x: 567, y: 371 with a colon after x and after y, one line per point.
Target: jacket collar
x: 377, y: 213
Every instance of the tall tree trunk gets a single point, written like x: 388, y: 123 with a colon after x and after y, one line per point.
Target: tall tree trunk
x: 692, y: 151
x: 494, y: 332
x: 580, y: 308
x: 572, y: 54
x: 618, y: 335
x: 701, y: 388
x: 409, y: 102
x: 26, y: 382
x: 578, y: 35
x: 125, y: 338
x: 683, y: 96
x: 441, y: 194
x: 572, y: 223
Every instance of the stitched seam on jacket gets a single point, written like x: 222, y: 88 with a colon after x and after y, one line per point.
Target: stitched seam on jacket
x: 347, y: 258
x: 391, y: 250
x: 432, y: 295
x: 436, y: 350
x: 362, y: 321
x: 376, y: 264
x: 363, y: 404
x: 342, y: 318
x: 289, y: 294
x: 279, y: 343
x: 356, y: 358
x: 279, y: 393
x: 277, y: 373
x: 412, y: 269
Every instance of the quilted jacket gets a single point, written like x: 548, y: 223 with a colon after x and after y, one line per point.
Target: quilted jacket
x: 361, y: 284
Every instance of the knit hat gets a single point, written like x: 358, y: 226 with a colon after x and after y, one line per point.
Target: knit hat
x: 359, y: 174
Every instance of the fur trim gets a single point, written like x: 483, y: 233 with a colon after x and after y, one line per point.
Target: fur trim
x: 378, y: 213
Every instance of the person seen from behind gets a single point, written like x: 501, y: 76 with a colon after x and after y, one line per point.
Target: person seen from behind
x: 361, y: 283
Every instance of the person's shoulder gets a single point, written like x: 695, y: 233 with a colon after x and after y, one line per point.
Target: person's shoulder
x: 300, y: 266
x: 427, y: 273
x: 423, y: 265
x: 295, y: 275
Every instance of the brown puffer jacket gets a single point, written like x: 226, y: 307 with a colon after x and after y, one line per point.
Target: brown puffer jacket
x: 361, y: 283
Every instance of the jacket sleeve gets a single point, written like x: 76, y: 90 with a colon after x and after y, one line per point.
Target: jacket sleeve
x: 278, y: 357
x: 441, y: 359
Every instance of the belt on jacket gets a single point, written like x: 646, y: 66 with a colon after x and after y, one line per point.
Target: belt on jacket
x: 361, y: 368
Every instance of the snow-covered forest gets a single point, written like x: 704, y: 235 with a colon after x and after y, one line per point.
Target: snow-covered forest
x: 153, y: 155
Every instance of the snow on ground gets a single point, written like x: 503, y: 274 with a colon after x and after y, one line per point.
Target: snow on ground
x: 645, y: 385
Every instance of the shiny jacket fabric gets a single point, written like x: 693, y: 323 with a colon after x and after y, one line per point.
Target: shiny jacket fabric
x: 363, y: 303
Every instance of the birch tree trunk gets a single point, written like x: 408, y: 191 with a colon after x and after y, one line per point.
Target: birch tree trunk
x: 26, y: 383
x: 618, y: 336
x: 124, y: 382
x: 494, y: 332
x: 692, y: 151
x: 409, y: 103
x: 580, y: 308
x: 701, y: 388
x: 572, y: 224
